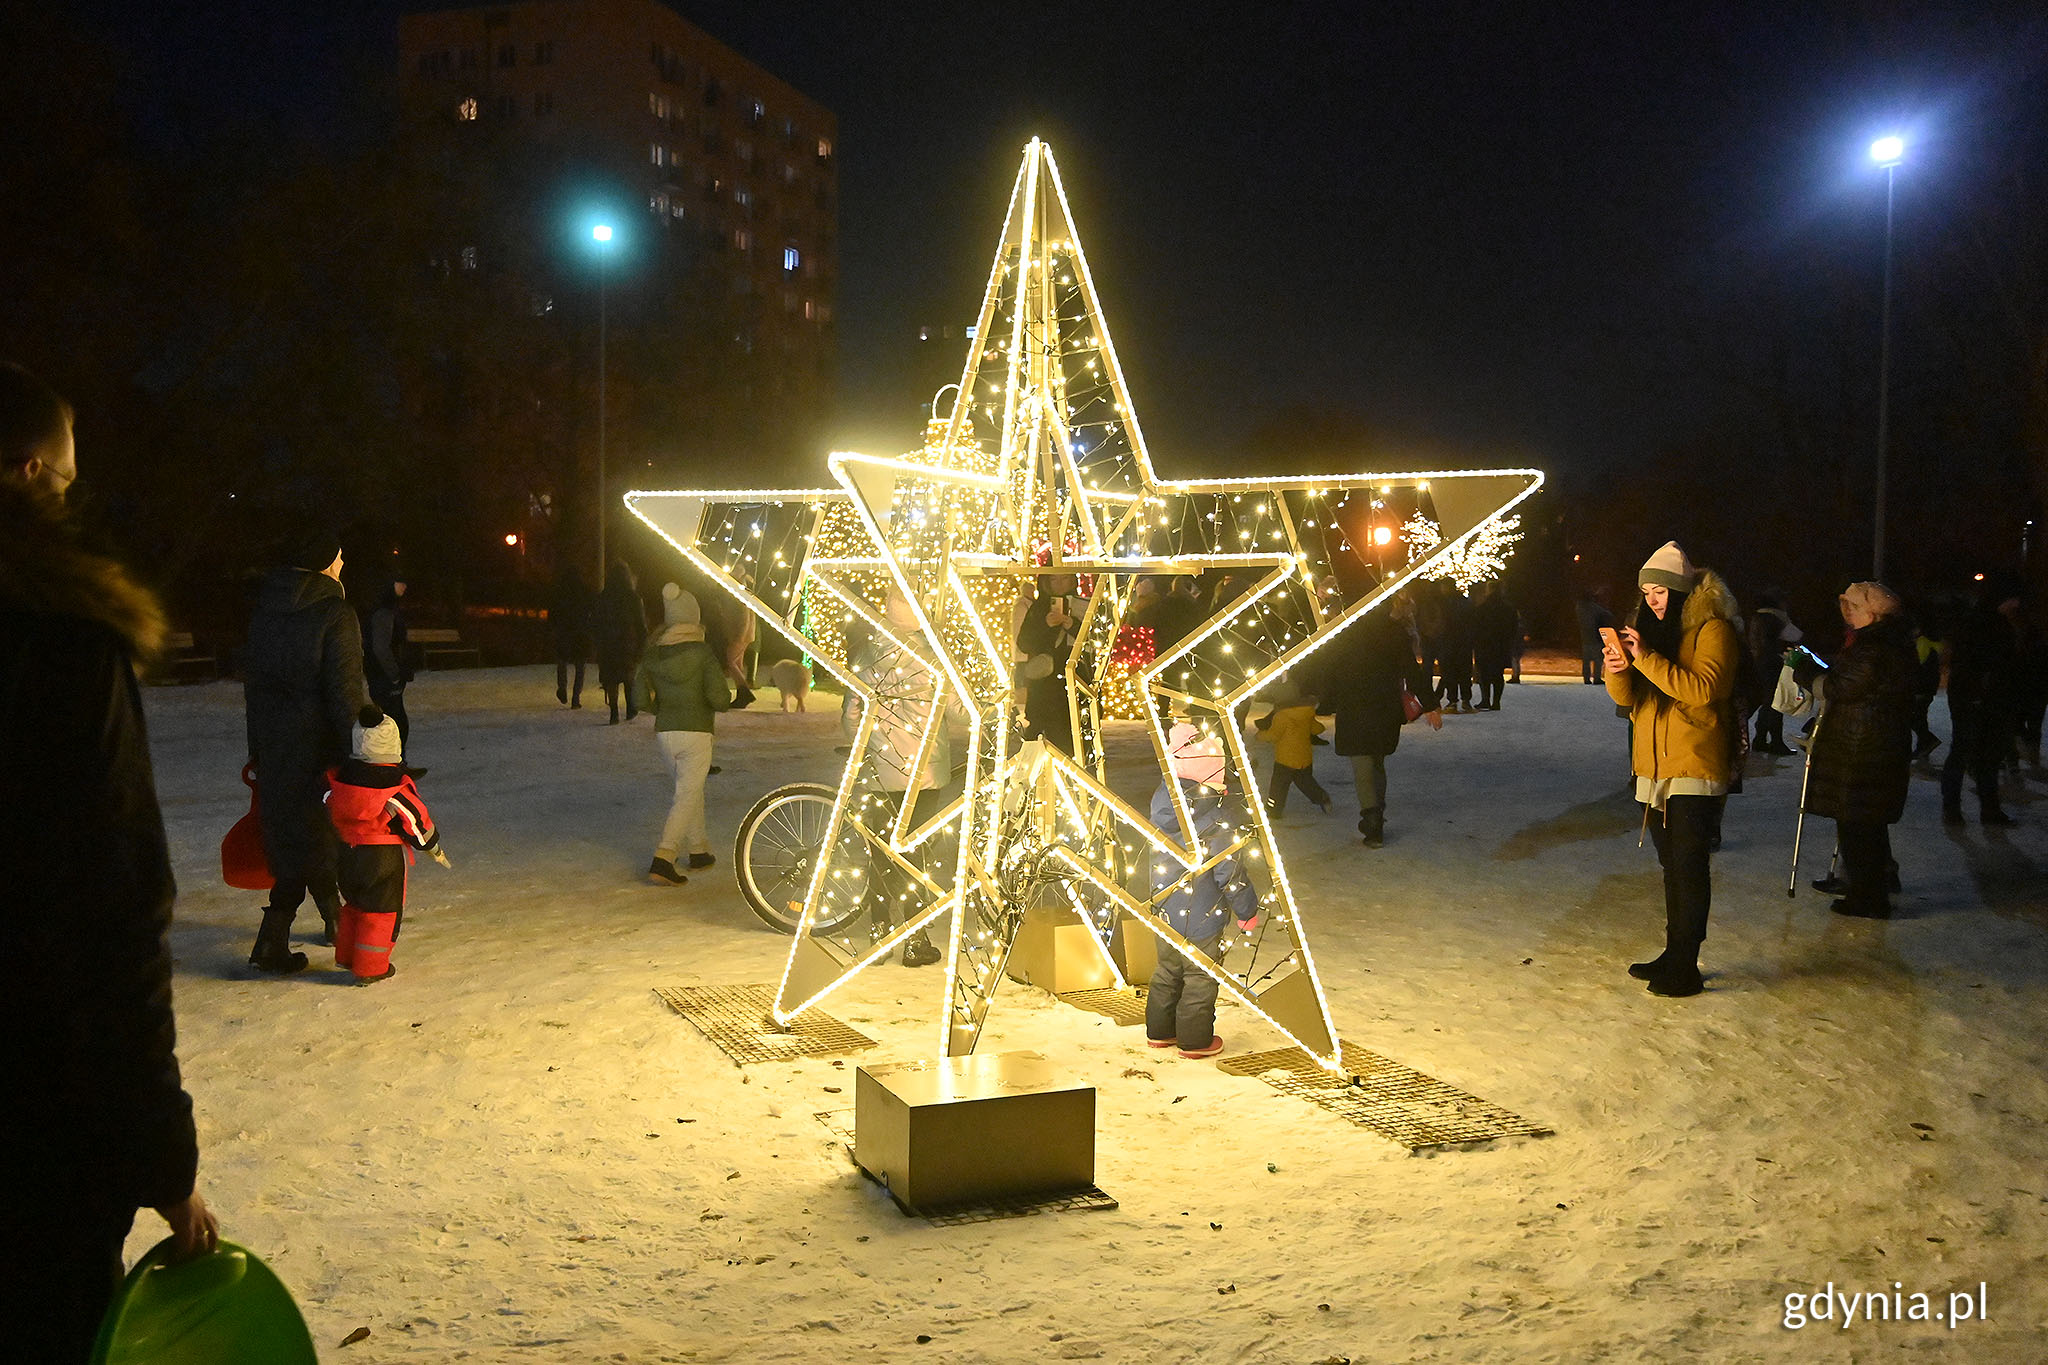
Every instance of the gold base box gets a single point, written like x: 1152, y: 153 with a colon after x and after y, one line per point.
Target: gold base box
x: 1055, y: 952
x: 962, y: 1131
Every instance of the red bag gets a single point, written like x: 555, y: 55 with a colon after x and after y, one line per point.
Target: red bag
x: 243, y: 864
x: 1411, y: 706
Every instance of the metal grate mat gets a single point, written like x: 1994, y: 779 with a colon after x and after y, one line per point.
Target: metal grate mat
x: 1397, y: 1102
x: 737, y: 1021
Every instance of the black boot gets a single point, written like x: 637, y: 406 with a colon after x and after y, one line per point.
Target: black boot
x: 330, y: 923
x: 273, y: 951
x: 919, y: 951
x: 1372, y: 824
x: 1655, y: 967
x: 1680, y: 977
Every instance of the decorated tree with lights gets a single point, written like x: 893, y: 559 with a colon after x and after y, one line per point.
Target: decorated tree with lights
x: 1482, y: 555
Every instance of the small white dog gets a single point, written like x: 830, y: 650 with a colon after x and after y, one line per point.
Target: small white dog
x: 792, y: 680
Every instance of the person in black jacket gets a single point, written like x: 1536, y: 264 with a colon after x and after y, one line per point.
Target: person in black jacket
x: 1456, y: 657
x: 97, y: 1122
x: 1983, y: 699
x: 302, y: 685
x: 387, y: 661
x: 1362, y: 683
x: 1496, y: 628
x: 569, y: 621
x: 620, y: 623
x: 1863, y: 747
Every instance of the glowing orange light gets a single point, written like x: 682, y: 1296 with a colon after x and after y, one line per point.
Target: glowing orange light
x: 511, y: 537
x: 1382, y: 535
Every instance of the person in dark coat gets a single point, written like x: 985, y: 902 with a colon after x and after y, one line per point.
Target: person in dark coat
x: 620, y: 624
x: 1045, y: 638
x: 569, y: 610
x: 1592, y: 614
x: 1456, y: 650
x: 96, y: 1122
x: 1496, y: 628
x: 1769, y: 634
x: 1863, y: 747
x: 302, y: 685
x: 1983, y: 699
x: 387, y: 656
x: 1362, y: 684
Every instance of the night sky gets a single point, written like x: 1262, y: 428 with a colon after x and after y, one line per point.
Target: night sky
x: 1466, y: 230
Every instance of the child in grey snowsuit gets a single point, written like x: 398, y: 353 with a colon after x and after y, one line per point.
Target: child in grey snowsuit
x: 1180, y: 1008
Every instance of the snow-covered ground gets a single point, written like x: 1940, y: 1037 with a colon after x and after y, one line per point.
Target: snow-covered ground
x: 513, y: 1151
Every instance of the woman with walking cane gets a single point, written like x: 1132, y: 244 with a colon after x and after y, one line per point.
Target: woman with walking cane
x: 1862, y: 750
x: 1675, y: 672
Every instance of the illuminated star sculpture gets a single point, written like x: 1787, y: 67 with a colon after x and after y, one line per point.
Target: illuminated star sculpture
x: 906, y: 583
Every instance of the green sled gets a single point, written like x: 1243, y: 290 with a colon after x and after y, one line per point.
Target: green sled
x: 224, y: 1309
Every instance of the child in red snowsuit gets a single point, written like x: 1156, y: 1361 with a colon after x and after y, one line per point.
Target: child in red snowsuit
x: 380, y: 817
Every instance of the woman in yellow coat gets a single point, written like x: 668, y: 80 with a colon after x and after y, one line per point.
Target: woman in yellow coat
x: 1675, y: 671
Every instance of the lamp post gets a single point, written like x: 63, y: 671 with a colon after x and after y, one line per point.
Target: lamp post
x: 602, y: 235
x: 1887, y: 152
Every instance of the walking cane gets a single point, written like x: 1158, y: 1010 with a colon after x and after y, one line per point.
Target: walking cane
x: 1799, y: 830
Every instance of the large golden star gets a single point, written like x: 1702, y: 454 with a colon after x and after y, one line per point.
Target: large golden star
x: 906, y: 580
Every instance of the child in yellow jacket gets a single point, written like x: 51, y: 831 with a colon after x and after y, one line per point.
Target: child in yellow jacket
x: 1292, y: 726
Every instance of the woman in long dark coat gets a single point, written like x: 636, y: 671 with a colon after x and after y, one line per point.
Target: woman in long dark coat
x: 1362, y: 683
x: 620, y: 624
x: 1863, y: 746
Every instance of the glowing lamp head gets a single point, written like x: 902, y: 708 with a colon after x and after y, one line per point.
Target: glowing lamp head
x: 601, y: 233
x: 1888, y: 151
x: 511, y: 537
x: 1382, y: 535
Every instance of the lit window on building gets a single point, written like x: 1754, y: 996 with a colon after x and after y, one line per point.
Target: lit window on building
x: 742, y: 240
x: 811, y: 309
x: 824, y: 149
x: 469, y: 258
x: 790, y: 259
x: 657, y: 153
x: 755, y: 111
x: 675, y: 208
x: 658, y: 203
x: 466, y: 111
x: 742, y: 196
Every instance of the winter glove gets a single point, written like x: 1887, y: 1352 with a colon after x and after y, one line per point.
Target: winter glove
x: 1805, y: 668
x: 440, y: 855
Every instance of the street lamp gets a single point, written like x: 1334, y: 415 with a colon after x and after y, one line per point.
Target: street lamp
x: 602, y: 235
x: 1887, y: 152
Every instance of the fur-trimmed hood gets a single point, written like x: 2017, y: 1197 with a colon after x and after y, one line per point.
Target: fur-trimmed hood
x: 44, y: 569
x: 1710, y: 600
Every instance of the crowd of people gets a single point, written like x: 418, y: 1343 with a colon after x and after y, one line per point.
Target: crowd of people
x: 100, y: 1117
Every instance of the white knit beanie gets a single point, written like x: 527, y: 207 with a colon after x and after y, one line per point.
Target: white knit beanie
x: 374, y: 739
x: 1195, y: 756
x: 679, y: 608
x: 1668, y: 568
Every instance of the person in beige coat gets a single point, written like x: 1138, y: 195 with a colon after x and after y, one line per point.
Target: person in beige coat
x: 1675, y: 671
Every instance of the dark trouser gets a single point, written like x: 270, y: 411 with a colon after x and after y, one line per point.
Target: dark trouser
x: 1770, y: 728
x: 1490, y: 689
x: 1866, y: 860
x: 1046, y: 714
x: 62, y: 1266
x: 1369, y: 773
x: 1923, y: 737
x: 391, y: 701
x: 302, y: 847
x: 611, y: 699
x: 1181, y: 1003
x: 1683, y: 835
x: 888, y: 884
x: 1457, y: 682
x: 562, y: 688
x: 1977, y: 746
x: 1285, y: 777
x: 372, y: 878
